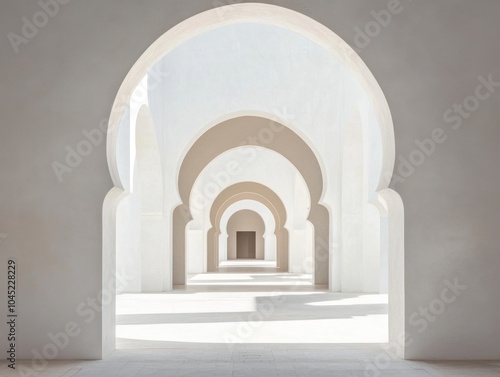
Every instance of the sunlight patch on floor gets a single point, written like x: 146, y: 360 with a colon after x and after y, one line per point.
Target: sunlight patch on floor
x: 250, y: 313
x: 255, y: 278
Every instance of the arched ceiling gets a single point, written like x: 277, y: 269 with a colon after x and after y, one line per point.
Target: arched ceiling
x: 250, y: 130
x: 253, y: 205
x: 248, y: 191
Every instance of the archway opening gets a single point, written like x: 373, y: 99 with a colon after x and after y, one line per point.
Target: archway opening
x: 245, y: 236
x: 252, y: 137
x: 270, y: 235
x: 355, y: 154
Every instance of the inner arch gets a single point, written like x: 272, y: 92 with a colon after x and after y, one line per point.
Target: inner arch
x: 259, y: 132
x: 269, y: 227
x: 248, y: 191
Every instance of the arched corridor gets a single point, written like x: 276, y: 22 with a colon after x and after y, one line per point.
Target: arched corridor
x: 306, y: 179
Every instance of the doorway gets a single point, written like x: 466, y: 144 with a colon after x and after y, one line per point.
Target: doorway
x: 245, y: 245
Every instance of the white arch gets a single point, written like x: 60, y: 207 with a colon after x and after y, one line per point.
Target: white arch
x: 269, y: 222
x: 285, y: 180
x: 263, y: 14
x: 375, y: 117
x: 271, y: 83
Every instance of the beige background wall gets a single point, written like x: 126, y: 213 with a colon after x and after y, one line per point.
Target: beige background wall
x: 245, y: 220
x: 429, y: 57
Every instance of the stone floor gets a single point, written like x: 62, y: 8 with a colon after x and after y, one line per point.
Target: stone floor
x: 221, y: 310
x: 306, y: 361
x: 257, y: 324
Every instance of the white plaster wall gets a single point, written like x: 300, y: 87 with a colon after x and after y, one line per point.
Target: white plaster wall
x: 196, y: 255
x: 64, y: 81
x: 128, y: 239
x: 140, y: 246
x: 148, y: 186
